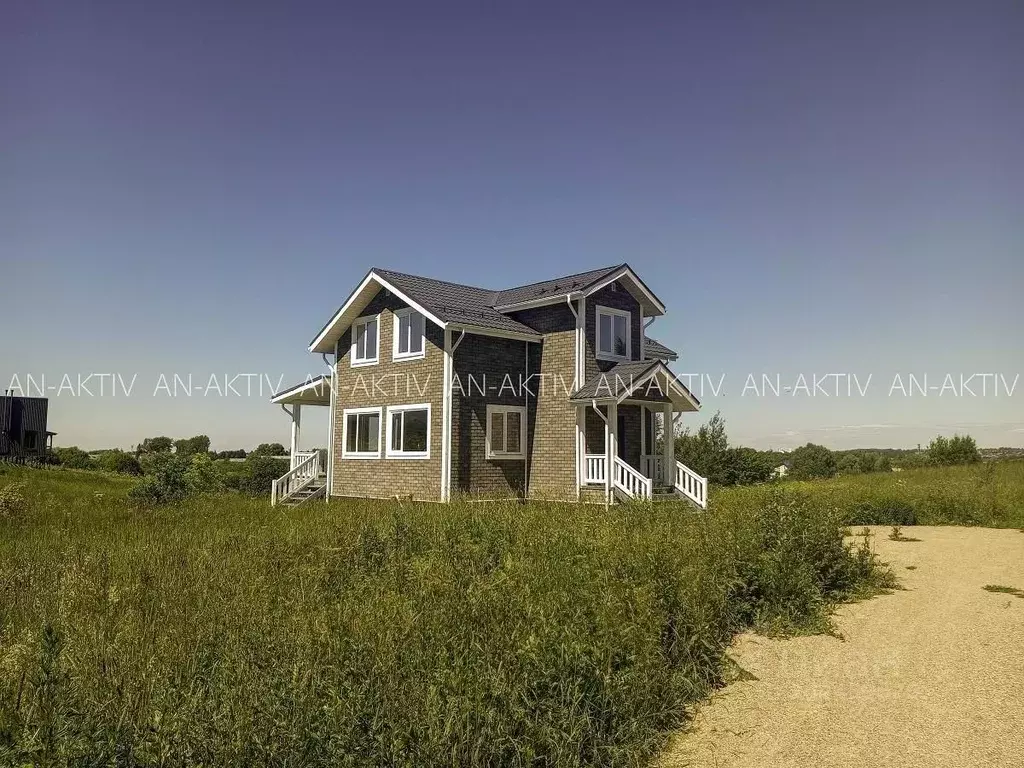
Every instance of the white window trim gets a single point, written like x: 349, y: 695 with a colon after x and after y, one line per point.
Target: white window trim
x: 345, y: 453
x: 600, y: 310
x: 521, y: 409
x: 395, y: 354
x: 352, y: 355
x: 393, y: 454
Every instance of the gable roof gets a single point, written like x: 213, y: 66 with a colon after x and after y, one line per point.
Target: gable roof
x: 654, y: 348
x: 622, y: 380
x: 455, y: 303
x: 476, y: 310
x: 559, y: 286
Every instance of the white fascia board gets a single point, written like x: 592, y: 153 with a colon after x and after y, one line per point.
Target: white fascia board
x: 370, y: 277
x: 298, y: 389
x: 673, y: 385
x: 542, y: 302
x: 479, y: 331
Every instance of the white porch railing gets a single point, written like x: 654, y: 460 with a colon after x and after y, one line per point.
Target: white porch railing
x: 631, y: 481
x: 691, y: 485
x: 594, y: 468
x: 305, y: 469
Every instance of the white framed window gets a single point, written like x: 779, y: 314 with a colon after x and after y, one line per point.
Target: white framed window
x: 361, y: 433
x: 409, y: 431
x: 408, y: 336
x: 366, y: 341
x: 614, y: 337
x: 506, y: 432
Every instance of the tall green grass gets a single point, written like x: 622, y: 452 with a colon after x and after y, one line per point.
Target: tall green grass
x: 224, y: 632
x: 988, y: 494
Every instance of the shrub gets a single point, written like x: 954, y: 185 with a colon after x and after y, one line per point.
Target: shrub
x: 885, y: 511
x: 959, y: 449
x: 260, y: 474
x: 165, y: 479
x: 73, y: 457
x: 120, y: 462
x: 812, y: 461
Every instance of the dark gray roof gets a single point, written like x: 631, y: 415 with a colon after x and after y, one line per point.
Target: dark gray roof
x: 452, y: 302
x: 615, y: 380
x: 556, y: 287
x: 654, y: 348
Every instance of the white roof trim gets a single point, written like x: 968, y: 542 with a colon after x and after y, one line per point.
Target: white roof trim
x: 383, y: 283
x: 635, y: 279
x: 541, y: 302
x: 296, y: 391
x: 502, y: 334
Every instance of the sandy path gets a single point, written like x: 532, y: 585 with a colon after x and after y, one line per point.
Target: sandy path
x: 931, y: 676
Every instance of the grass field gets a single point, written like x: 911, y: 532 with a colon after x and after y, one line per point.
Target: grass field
x: 990, y: 494
x: 222, y: 632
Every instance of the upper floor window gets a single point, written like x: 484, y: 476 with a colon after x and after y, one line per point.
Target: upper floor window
x: 613, y: 336
x: 408, y: 334
x: 365, y: 340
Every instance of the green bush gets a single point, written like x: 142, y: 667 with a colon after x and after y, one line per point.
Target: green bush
x: 73, y: 457
x: 120, y: 462
x: 884, y: 511
x: 260, y: 474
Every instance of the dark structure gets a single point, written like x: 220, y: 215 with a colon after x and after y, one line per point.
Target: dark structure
x: 23, y: 433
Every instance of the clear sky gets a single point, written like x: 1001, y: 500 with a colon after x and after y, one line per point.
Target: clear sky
x: 811, y: 188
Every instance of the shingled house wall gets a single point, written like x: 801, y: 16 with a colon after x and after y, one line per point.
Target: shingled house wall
x: 389, y: 382
x: 488, y: 370
x: 552, y: 470
x: 616, y: 297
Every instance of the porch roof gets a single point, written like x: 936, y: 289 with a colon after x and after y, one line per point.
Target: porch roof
x: 637, y: 378
x: 654, y: 348
x: 311, y: 392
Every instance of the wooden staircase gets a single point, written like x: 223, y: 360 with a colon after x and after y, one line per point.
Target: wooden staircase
x: 315, y: 489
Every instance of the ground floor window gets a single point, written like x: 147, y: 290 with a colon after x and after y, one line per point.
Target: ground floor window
x: 506, y: 432
x: 409, y: 431
x: 361, y: 439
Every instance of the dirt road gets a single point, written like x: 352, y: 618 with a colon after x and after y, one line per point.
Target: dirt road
x: 929, y: 676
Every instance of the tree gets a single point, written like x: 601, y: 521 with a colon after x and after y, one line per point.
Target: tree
x: 812, y: 461
x: 73, y: 458
x: 745, y: 466
x: 155, y: 445
x: 260, y: 474
x: 703, y: 451
x: 851, y: 464
x: 120, y: 462
x: 269, y: 449
x: 192, y: 445
x: 882, y: 464
x: 958, y: 449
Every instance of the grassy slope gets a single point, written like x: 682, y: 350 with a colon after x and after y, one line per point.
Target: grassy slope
x: 224, y: 632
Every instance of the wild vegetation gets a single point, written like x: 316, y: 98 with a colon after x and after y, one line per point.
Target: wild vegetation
x: 217, y: 630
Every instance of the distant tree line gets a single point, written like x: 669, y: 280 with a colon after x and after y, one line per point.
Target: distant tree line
x: 707, y: 451
x: 172, y: 469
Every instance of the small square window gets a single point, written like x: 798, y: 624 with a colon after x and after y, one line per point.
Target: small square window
x: 409, y: 431
x: 362, y: 433
x: 506, y: 432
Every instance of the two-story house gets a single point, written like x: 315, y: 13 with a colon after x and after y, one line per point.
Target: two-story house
x: 438, y: 390
x: 23, y: 432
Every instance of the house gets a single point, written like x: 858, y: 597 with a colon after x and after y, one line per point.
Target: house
x: 438, y: 390
x: 23, y: 433
x: 781, y: 471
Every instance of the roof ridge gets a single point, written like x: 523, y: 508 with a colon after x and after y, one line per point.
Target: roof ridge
x: 437, y: 279
x: 563, y: 277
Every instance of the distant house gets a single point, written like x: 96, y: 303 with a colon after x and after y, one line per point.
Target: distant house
x: 781, y: 471
x: 23, y: 432
x: 547, y: 390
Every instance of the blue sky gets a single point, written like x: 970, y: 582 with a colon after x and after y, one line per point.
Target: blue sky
x: 811, y: 188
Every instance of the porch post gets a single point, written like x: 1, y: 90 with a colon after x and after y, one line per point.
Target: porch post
x: 611, y: 434
x: 668, y: 446
x: 296, y: 419
x: 581, y: 415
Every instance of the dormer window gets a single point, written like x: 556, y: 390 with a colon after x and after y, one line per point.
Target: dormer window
x: 408, y: 343
x: 613, y: 334
x: 366, y: 341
